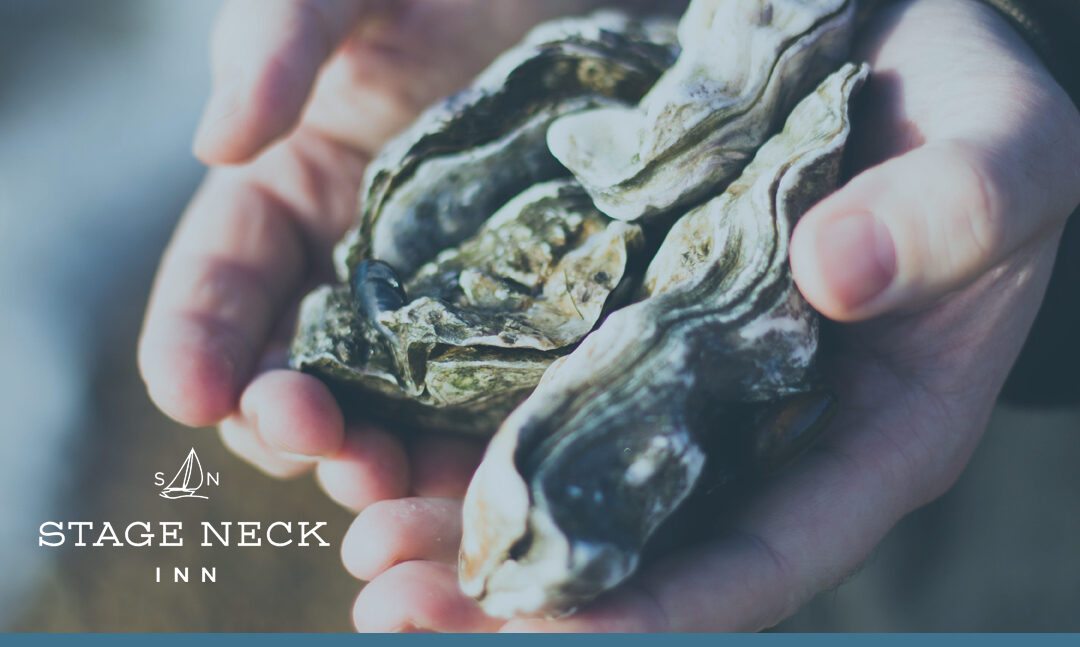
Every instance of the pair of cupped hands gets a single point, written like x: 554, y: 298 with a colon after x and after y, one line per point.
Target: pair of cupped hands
x: 931, y: 261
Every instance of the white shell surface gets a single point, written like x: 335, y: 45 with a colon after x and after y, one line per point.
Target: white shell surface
x: 744, y: 64
x: 609, y: 443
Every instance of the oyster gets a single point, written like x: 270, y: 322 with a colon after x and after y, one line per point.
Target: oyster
x: 470, y: 334
x: 477, y: 261
x: 744, y: 65
x: 434, y: 184
x: 721, y: 346
x: 649, y: 303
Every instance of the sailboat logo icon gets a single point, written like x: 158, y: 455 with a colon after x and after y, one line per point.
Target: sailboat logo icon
x: 189, y: 478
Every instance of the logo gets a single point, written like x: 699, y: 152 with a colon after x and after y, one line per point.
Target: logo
x: 188, y: 480
x: 191, y: 481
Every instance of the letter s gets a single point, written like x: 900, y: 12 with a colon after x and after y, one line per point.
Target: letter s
x: 59, y: 532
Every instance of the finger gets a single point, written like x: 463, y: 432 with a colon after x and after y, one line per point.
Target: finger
x: 371, y: 466
x: 904, y: 233
x: 265, y: 58
x: 442, y: 466
x: 418, y: 596
x: 294, y: 414
x: 391, y: 532
x: 239, y: 436
x: 233, y: 261
x: 234, y: 266
x: 996, y: 163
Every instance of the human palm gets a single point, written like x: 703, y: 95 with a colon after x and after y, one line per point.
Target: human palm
x: 936, y: 254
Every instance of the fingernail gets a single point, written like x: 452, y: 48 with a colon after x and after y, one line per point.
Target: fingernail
x: 857, y: 257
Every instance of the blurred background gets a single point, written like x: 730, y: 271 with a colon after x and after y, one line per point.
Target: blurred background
x: 98, y: 101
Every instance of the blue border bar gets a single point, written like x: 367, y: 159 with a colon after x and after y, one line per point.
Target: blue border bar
x: 829, y: 640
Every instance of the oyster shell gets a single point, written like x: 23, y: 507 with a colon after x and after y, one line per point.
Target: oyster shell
x: 722, y: 345
x: 434, y: 184
x: 471, y: 333
x: 481, y: 268
x: 744, y: 65
x: 488, y: 301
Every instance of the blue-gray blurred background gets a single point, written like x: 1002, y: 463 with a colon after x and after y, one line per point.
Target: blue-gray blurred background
x: 98, y: 101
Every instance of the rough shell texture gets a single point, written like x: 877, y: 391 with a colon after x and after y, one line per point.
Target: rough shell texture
x: 486, y: 307
x: 744, y: 65
x: 433, y: 185
x: 484, y: 320
x: 611, y: 441
x: 661, y: 342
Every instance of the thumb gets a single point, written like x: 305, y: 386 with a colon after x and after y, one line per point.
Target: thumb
x: 908, y: 231
x: 265, y: 57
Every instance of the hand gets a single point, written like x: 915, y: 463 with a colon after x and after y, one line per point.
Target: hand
x: 936, y: 256
x: 304, y: 92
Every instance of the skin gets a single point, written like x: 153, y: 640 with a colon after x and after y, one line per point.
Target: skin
x: 932, y: 260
